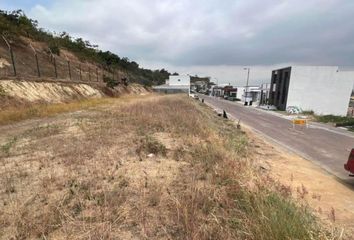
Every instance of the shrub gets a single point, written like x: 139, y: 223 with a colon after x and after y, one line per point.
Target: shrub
x: 149, y: 145
x: 111, y: 83
x: 338, y: 120
x: 54, y: 48
x: 309, y: 112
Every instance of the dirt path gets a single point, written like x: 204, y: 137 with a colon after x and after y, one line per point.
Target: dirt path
x: 332, y: 200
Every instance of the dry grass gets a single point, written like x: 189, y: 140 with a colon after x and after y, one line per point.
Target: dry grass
x: 88, y: 176
x: 12, y: 115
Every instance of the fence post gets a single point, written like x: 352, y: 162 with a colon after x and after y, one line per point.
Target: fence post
x: 80, y: 71
x: 55, y: 67
x: 52, y: 57
x: 89, y: 74
x: 11, y: 54
x: 36, y: 57
x: 69, y: 69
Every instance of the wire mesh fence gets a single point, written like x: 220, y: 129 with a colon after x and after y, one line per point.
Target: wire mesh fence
x: 28, y: 61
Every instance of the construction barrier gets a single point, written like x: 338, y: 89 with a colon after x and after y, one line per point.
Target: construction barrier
x: 300, y: 121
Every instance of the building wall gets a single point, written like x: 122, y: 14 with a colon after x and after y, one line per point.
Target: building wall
x: 252, y: 95
x: 265, y: 93
x: 171, y: 91
x: 323, y: 90
x: 280, y: 87
x: 240, y: 92
x: 179, y: 80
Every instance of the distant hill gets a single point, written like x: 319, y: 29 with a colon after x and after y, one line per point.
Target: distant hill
x: 87, y: 62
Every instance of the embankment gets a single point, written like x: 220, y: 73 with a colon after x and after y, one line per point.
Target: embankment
x: 16, y: 93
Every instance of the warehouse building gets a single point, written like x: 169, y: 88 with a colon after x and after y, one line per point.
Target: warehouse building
x: 324, y: 90
x: 175, y: 84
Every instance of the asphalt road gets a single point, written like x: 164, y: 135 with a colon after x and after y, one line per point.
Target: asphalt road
x: 326, y: 146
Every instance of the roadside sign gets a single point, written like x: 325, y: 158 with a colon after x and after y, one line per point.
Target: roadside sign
x: 300, y: 121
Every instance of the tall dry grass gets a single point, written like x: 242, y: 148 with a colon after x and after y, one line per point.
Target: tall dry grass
x: 12, y: 115
x: 222, y: 196
x: 91, y: 178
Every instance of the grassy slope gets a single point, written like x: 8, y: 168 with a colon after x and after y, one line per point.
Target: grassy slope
x: 90, y: 175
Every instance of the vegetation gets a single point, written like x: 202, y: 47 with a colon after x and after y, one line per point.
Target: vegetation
x: 111, y: 83
x: 339, y: 121
x: 46, y: 110
x: 309, y: 112
x: 16, y: 23
x: 2, y: 91
x: 200, y: 183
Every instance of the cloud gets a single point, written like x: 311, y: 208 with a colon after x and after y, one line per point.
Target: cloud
x: 209, y: 33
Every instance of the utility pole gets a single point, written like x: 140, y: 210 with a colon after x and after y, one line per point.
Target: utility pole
x: 248, y: 78
x: 11, y: 54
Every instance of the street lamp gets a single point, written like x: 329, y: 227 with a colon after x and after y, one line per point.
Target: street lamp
x: 248, y: 78
x: 217, y: 81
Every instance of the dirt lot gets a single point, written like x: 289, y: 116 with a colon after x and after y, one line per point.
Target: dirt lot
x: 152, y: 167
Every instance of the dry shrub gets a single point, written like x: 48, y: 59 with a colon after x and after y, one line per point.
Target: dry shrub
x: 150, y: 144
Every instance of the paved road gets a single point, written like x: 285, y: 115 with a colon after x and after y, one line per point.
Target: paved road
x: 326, y: 146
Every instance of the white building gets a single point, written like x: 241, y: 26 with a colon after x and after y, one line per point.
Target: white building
x: 324, y: 90
x: 240, y: 92
x: 175, y: 84
x: 251, y: 93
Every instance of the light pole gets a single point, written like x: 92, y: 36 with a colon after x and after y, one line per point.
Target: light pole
x: 248, y: 78
x: 217, y: 81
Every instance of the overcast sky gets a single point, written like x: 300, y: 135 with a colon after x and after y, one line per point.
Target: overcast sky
x: 216, y: 38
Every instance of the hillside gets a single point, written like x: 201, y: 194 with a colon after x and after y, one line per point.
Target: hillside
x: 85, y: 61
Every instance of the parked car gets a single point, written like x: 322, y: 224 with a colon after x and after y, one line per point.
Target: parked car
x: 349, y: 166
x: 195, y: 96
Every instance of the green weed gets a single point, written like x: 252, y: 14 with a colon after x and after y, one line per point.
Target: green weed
x: 7, y: 146
x: 270, y: 216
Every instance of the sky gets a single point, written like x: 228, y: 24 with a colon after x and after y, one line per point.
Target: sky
x: 216, y: 38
